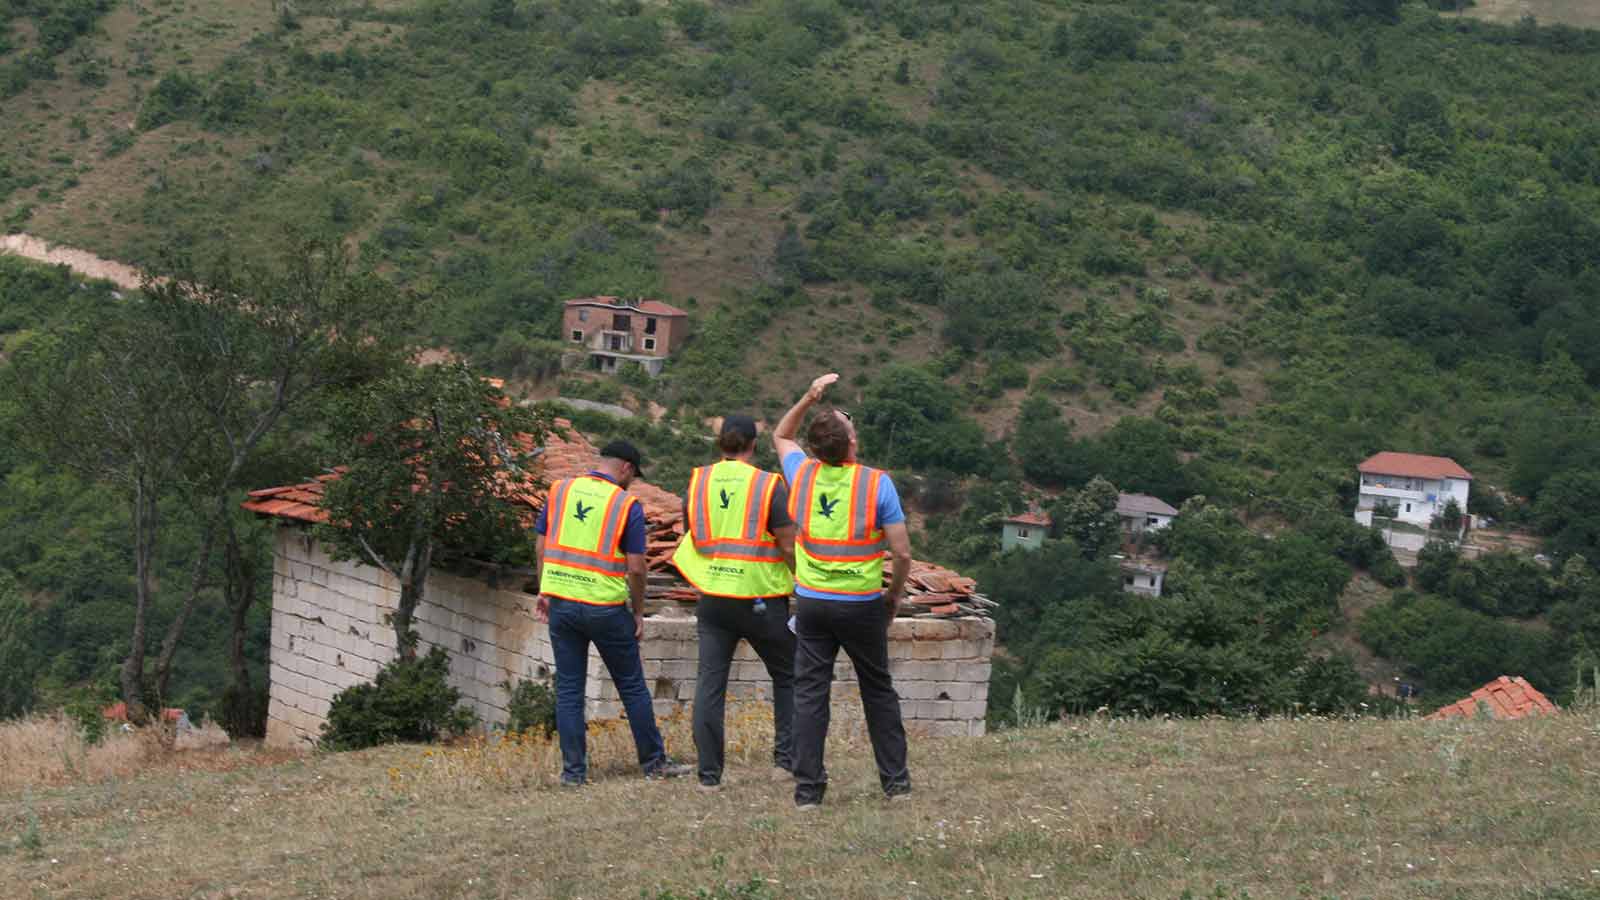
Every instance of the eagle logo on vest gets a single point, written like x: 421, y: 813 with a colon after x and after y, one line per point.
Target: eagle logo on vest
x: 582, y: 512
x: 726, y: 497
x: 826, y: 506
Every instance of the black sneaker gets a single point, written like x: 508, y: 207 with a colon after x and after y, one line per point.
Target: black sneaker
x: 669, y: 768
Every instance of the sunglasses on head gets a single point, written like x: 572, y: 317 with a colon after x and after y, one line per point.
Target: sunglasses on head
x: 847, y: 417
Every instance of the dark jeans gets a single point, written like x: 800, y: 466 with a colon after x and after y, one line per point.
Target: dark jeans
x: 862, y: 629
x: 722, y: 623
x: 573, y: 627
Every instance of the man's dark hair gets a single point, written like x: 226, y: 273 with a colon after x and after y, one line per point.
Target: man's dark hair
x: 828, y: 436
x: 732, y: 443
x: 737, y: 434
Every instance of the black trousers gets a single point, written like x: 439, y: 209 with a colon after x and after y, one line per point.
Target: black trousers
x: 862, y: 630
x: 723, y: 622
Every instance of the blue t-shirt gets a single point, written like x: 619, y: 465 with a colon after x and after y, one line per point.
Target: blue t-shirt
x: 634, y: 533
x: 889, y: 513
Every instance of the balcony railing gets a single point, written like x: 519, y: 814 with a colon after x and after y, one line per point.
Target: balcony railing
x: 607, y: 341
x: 1393, y: 493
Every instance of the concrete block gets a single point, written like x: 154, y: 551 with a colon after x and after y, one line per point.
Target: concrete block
x: 971, y: 709
x: 935, y: 709
x: 935, y: 630
x: 745, y: 651
x: 961, y: 650
x: 943, y: 728
x: 980, y: 691
x: 975, y: 672
x: 953, y: 690
x: 900, y: 649
x: 977, y: 728
x: 916, y: 690
x: 928, y: 650
x: 974, y: 629
x: 902, y: 630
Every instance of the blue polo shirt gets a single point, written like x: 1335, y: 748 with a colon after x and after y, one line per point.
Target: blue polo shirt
x: 634, y: 533
x: 889, y: 513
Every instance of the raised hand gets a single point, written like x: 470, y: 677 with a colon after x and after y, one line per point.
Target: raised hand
x: 821, y: 384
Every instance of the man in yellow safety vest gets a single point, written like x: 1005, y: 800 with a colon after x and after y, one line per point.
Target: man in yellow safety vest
x: 738, y: 551
x: 845, y: 514
x: 591, y: 545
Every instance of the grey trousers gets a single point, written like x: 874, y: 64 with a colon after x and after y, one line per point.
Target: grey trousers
x: 723, y: 622
x: 861, y: 629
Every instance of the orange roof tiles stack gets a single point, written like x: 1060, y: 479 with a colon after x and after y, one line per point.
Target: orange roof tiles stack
x: 1503, y: 698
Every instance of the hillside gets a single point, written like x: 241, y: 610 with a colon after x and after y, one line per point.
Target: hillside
x: 1087, y: 808
x: 1223, y: 250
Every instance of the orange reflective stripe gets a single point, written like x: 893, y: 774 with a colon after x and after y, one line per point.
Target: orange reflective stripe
x: 700, y: 505
x: 874, y: 482
x: 769, y: 491
x: 609, y: 532
x: 800, y: 500
x: 858, y: 506
x: 590, y: 562
x: 555, y: 507
x: 752, y: 514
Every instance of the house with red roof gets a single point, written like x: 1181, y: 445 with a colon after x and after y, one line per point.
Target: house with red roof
x: 1027, y: 530
x: 1414, y: 487
x: 611, y: 331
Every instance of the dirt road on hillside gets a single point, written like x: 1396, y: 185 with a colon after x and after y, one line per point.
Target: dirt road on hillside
x: 81, y: 261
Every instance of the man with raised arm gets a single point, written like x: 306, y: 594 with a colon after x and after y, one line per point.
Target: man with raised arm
x: 591, y: 544
x: 738, y: 551
x: 845, y: 514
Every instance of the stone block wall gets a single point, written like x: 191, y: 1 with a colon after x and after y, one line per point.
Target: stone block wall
x: 328, y: 633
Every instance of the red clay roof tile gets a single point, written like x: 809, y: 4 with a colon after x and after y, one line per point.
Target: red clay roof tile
x: 1413, y: 465
x: 1503, y: 698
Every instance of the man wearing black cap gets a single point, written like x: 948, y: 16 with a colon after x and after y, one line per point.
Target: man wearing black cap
x: 738, y: 550
x: 591, y: 545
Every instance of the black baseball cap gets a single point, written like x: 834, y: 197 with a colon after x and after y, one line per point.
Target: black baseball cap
x: 626, y: 452
x: 740, y: 424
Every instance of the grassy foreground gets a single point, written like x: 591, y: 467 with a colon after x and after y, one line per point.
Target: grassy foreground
x: 1308, y: 808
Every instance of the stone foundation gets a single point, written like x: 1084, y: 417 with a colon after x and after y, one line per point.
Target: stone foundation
x: 328, y: 633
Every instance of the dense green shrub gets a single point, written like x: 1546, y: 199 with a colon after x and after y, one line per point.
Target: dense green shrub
x: 409, y: 701
x: 531, y: 706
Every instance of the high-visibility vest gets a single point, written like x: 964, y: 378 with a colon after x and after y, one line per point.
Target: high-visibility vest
x: 583, y: 558
x: 728, y: 551
x: 839, y: 549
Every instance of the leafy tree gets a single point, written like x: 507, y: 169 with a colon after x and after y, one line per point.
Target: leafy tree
x: 1088, y: 517
x: 909, y: 417
x: 433, y: 460
x: 19, y: 642
x: 173, y: 394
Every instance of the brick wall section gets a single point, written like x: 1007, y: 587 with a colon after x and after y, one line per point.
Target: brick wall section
x: 328, y: 633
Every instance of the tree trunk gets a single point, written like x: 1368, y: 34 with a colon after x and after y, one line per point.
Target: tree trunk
x: 144, y: 539
x: 413, y: 584
x: 197, y: 582
x: 242, y: 714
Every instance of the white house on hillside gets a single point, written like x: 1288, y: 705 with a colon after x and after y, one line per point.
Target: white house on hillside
x: 1416, y: 486
x: 1142, y: 512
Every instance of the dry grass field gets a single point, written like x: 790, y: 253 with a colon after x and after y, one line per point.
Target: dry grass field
x: 1159, y: 809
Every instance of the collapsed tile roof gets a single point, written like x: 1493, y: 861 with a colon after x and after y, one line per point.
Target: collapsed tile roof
x: 1503, y: 698
x: 931, y: 590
